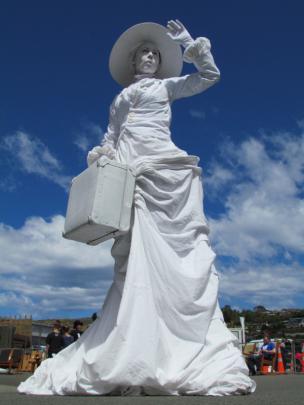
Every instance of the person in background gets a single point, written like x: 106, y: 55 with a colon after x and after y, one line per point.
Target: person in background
x: 299, y: 356
x: 59, y: 325
x: 67, y: 338
x: 268, y: 348
x: 54, y: 341
x: 77, y: 331
x: 284, y: 350
x: 267, y: 351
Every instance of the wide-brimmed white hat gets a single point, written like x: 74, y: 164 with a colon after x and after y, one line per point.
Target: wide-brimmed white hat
x: 120, y: 62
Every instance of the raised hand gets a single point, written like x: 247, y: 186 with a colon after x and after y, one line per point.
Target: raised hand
x: 178, y: 32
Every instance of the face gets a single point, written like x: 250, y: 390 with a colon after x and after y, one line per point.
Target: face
x: 266, y: 340
x: 147, y: 58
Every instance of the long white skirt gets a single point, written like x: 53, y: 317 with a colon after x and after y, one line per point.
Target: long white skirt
x: 161, y: 331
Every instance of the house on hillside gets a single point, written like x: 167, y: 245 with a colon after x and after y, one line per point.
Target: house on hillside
x: 295, y: 322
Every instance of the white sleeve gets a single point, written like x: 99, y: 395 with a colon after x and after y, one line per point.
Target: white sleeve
x: 208, y: 74
x: 108, y: 144
x: 111, y: 136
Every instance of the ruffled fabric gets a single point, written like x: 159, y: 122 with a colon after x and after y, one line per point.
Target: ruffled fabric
x: 161, y: 331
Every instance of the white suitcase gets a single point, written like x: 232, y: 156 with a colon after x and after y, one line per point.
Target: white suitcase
x: 100, y: 202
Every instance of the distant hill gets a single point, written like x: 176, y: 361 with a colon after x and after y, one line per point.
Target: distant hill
x: 64, y: 321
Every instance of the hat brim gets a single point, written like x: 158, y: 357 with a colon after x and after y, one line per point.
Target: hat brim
x: 120, y: 62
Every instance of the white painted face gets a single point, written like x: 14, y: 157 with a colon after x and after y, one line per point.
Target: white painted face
x: 147, y: 58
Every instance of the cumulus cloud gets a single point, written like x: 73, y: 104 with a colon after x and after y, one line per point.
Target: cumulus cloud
x: 218, y: 177
x: 263, y: 208
x: 258, y: 236
x: 275, y: 285
x: 34, y: 157
x: 40, y: 271
x: 261, y: 227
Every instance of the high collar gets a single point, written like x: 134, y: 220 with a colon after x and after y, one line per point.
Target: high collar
x: 141, y: 76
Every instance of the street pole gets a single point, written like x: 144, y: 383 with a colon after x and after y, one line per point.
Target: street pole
x: 242, y: 321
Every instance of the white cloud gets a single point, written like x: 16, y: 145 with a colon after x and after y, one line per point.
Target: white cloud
x: 261, y: 227
x: 218, y: 177
x: 33, y: 157
x: 260, y: 185
x: 274, y: 286
x: 41, y: 272
x: 263, y: 208
x: 41, y: 246
x: 90, y: 135
x: 11, y: 299
x: 43, y: 300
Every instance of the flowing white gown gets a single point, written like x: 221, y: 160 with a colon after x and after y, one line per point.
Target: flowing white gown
x: 161, y: 330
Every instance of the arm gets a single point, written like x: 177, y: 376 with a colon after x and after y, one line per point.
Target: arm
x: 108, y: 143
x: 196, y: 52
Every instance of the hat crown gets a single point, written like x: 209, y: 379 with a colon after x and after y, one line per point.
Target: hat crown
x: 120, y: 62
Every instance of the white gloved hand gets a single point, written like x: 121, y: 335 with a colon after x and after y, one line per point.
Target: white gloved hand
x: 179, y: 34
x: 99, y: 151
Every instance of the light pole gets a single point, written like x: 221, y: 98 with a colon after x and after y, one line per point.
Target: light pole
x: 242, y: 320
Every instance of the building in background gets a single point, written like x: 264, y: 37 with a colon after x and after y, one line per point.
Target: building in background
x: 23, y: 332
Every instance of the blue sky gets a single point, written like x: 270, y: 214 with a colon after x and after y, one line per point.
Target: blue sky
x: 248, y: 131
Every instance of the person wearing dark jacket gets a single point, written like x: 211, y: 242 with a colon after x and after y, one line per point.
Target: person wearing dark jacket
x: 67, y: 337
x: 54, y: 341
x: 77, y: 331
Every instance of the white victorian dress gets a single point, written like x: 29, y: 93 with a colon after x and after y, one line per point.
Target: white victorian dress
x: 161, y: 330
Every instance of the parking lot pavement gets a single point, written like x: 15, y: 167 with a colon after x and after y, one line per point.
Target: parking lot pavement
x: 271, y: 390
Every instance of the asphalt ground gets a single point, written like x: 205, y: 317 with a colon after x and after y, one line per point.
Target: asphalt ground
x: 271, y: 390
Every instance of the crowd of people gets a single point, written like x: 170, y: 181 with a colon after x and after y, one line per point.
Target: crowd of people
x: 270, y: 350
x: 62, y: 336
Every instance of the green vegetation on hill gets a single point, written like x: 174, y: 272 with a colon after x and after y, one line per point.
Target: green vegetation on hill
x: 65, y: 321
x: 261, y: 320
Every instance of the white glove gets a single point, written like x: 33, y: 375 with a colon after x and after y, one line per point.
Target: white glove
x: 179, y: 34
x: 99, y: 151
